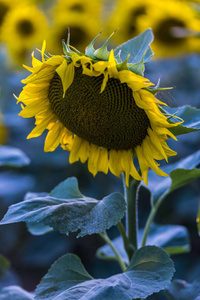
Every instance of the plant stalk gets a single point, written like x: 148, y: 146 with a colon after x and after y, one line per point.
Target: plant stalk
x: 106, y: 238
x: 150, y: 219
x: 131, y: 197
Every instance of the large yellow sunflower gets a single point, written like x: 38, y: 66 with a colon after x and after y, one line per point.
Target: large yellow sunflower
x: 24, y: 27
x: 175, y: 26
x: 99, y: 111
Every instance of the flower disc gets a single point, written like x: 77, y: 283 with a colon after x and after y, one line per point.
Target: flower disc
x: 110, y: 119
x: 164, y: 31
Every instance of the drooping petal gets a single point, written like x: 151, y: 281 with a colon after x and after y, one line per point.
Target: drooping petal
x: 66, y: 73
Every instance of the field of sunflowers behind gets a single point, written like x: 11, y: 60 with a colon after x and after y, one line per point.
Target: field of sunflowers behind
x: 24, y: 25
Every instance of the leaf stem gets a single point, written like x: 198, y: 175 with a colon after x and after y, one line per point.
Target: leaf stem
x: 131, y: 196
x: 150, y: 219
x: 106, y: 238
x: 127, y: 246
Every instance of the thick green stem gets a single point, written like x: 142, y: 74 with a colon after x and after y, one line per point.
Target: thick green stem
x: 117, y: 255
x: 150, y: 219
x: 131, y: 196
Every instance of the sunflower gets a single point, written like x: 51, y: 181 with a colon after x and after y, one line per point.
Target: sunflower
x: 126, y: 16
x: 24, y: 27
x: 5, y: 7
x: 98, y: 110
x: 83, y: 28
x: 175, y: 27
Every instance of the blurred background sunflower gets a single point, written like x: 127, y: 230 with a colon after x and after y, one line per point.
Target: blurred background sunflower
x: 24, y: 24
x: 23, y: 27
x: 176, y: 28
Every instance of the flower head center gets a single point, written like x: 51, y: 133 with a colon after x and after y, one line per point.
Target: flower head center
x: 25, y: 28
x: 110, y: 119
x: 164, y: 31
x: 77, y: 7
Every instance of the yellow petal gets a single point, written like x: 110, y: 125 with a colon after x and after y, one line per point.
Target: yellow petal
x: 102, y: 164
x: 100, y: 66
x: 157, y: 143
x: 93, y: 159
x: 75, y: 151
x: 105, y: 80
x: 53, y: 138
x: 39, y: 128
x: 112, y: 69
x: 114, y: 162
x: 33, y: 109
x: 149, y: 158
x: 84, y: 151
x: 66, y: 73
x: 43, y: 50
x: 142, y: 163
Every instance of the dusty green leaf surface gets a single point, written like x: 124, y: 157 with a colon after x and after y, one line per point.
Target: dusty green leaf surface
x: 15, y: 293
x: 180, y: 173
x: 150, y: 271
x: 191, y: 117
x: 65, y: 209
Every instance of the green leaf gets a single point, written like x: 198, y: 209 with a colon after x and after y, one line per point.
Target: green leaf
x: 36, y: 228
x: 181, y: 177
x: 172, y: 238
x: 66, y: 272
x: 15, y: 293
x: 181, y: 290
x: 67, y: 210
x: 138, y: 48
x: 4, y: 265
x: 180, y: 173
x: 150, y: 271
x: 12, y: 157
x: 137, y: 68
x: 191, y: 117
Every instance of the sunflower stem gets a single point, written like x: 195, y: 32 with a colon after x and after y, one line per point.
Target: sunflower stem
x: 106, y: 238
x: 151, y: 216
x: 131, y: 196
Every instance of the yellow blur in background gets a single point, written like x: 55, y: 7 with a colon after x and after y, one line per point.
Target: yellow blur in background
x: 25, y: 24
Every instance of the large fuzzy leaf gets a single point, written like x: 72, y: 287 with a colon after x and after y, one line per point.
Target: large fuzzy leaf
x: 65, y: 209
x: 191, y: 117
x: 150, y: 271
x: 137, y: 48
x: 180, y: 174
